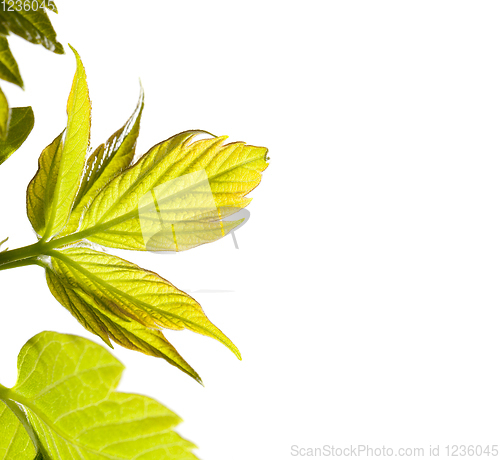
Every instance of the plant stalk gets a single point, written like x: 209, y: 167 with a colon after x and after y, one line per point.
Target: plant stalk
x: 25, y: 252
x: 21, y: 263
x: 13, y: 258
x: 42, y: 247
x: 6, y: 395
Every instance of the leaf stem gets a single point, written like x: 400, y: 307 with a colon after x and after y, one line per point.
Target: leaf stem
x: 7, y: 396
x: 43, y: 247
x: 21, y: 263
x: 25, y: 252
x: 38, y: 249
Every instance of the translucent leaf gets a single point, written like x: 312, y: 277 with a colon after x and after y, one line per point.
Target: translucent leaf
x: 52, y: 191
x: 41, y: 188
x: 231, y: 171
x: 99, y: 319
x: 9, y: 70
x: 107, y: 162
x: 71, y: 298
x: 118, y: 300
x: 67, y: 385
x: 15, y: 443
x: 21, y: 123
x: 32, y: 24
x: 175, y: 216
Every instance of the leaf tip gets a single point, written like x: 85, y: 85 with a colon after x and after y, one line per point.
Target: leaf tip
x: 20, y: 83
x: 140, y: 104
x: 266, y: 154
x: 59, y: 49
x: 77, y: 56
x: 227, y: 342
x: 75, y: 52
x: 106, y: 340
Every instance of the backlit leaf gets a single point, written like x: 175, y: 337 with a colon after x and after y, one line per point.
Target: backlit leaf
x: 52, y: 191
x: 107, y: 162
x: 116, y: 299
x: 67, y: 386
x: 69, y: 296
x: 15, y: 443
x: 21, y: 123
x: 41, y: 188
x: 99, y: 319
x: 233, y: 170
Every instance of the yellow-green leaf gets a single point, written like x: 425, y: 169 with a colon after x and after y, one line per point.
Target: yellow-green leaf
x: 4, y: 116
x: 117, y: 299
x: 21, y: 123
x: 55, y: 185
x: 41, y: 188
x: 99, y: 319
x: 68, y: 296
x: 67, y: 387
x: 232, y: 171
x: 178, y: 236
x: 15, y: 443
x: 9, y: 70
x: 107, y: 162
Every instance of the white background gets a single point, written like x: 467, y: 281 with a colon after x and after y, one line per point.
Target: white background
x: 366, y: 288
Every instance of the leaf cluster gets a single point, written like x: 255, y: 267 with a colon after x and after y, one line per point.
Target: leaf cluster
x: 175, y: 197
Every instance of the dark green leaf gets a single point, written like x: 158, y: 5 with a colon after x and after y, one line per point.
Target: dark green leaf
x: 32, y: 25
x: 4, y: 115
x: 21, y: 124
x: 9, y: 70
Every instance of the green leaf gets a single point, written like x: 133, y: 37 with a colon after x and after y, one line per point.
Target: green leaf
x: 9, y: 70
x: 21, y: 123
x: 4, y: 116
x: 33, y: 25
x: 67, y: 386
x: 41, y: 188
x: 52, y: 191
x: 100, y: 319
x: 118, y: 300
x: 233, y: 170
x: 71, y: 298
x: 108, y: 161
x: 15, y: 443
